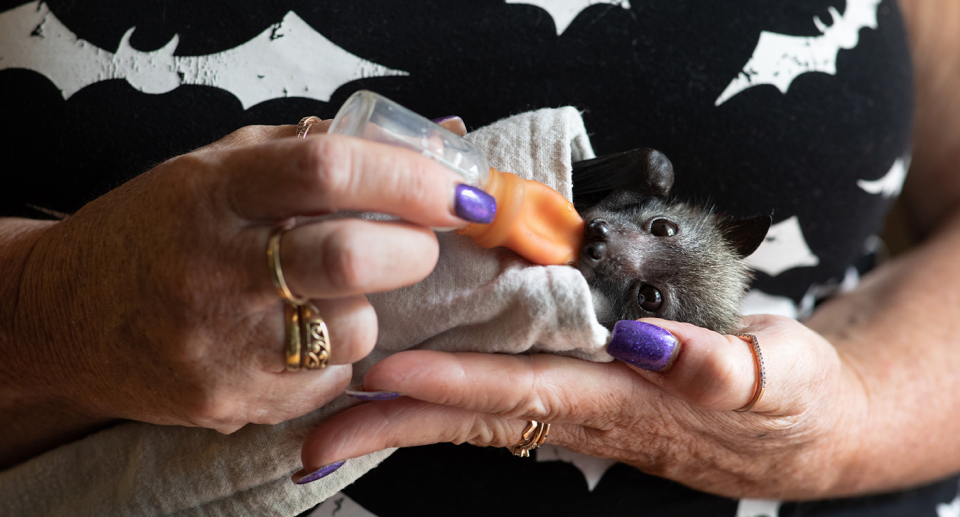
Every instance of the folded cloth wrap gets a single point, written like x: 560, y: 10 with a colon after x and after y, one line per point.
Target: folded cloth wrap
x: 475, y: 300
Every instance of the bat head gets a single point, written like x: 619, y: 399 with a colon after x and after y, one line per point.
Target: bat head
x: 647, y: 256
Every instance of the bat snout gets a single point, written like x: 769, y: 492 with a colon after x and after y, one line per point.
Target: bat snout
x: 593, y: 253
x: 596, y: 229
x: 594, y: 249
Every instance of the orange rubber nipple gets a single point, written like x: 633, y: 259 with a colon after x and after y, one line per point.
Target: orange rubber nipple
x: 532, y: 220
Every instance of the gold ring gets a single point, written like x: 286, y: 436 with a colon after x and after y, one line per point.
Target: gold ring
x: 273, y: 262
x: 315, y: 349
x: 761, y: 382
x: 291, y: 315
x: 532, y: 437
x: 305, y: 124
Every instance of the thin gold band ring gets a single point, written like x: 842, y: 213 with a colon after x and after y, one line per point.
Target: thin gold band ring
x: 273, y: 262
x: 303, y: 127
x: 761, y: 382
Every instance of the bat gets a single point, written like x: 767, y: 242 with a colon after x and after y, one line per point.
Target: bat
x: 783, y: 248
x: 778, y: 58
x: 645, y: 255
x: 891, y: 183
x: 288, y: 59
x: 564, y: 12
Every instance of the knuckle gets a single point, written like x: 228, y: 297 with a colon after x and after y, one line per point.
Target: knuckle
x: 228, y: 428
x: 725, y: 369
x: 268, y: 416
x: 195, y: 186
x: 211, y: 408
x: 185, y: 173
x: 185, y: 293
x: 546, y: 405
x: 413, y: 188
x: 189, y: 161
x: 530, y: 405
x: 181, y: 348
x: 343, y: 260
x: 545, y: 398
x: 326, y: 167
x: 722, y: 376
x: 487, y: 432
x: 246, y: 134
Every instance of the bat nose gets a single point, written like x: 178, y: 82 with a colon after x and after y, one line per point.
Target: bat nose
x: 595, y: 242
x: 593, y: 253
x: 597, y: 229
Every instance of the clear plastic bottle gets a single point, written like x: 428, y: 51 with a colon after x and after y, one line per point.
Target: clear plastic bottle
x: 533, y: 220
x: 371, y: 116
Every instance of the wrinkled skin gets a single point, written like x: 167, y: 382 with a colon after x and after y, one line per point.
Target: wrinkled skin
x: 870, y: 375
x: 155, y: 302
x: 678, y: 424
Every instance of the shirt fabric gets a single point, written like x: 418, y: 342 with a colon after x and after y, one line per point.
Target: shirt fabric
x: 800, y: 109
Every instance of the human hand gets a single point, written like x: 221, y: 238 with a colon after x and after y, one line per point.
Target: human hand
x: 155, y: 302
x: 678, y: 423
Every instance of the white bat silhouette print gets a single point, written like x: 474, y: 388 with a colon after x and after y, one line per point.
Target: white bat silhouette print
x: 288, y: 59
x: 778, y: 59
x: 784, y: 248
x: 564, y: 12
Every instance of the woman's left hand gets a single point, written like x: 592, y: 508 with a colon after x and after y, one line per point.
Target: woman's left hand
x: 678, y: 423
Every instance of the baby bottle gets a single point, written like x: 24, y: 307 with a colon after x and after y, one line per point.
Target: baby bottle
x: 533, y: 220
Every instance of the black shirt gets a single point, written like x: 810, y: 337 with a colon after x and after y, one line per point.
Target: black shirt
x: 796, y: 108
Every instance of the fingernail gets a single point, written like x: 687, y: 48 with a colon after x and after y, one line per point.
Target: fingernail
x: 302, y: 478
x: 474, y: 205
x: 643, y: 345
x: 370, y: 396
x: 444, y: 119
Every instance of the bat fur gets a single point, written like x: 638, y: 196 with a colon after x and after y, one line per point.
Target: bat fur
x: 646, y: 255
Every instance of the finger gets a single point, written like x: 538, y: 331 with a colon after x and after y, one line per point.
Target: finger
x: 292, y: 394
x: 351, y: 327
x: 328, y: 173
x: 541, y: 387
x: 318, y: 128
x: 344, y: 257
x: 408, y: 423
x: 453, y: 124
x: 251, y: 135
x: 714, y: 371
x: 272, y: 394
x: 261, y: 397
x: 397, y: 423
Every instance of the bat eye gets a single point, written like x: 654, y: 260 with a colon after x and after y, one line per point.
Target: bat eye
x: 663, y: 228
x: 649, y: 299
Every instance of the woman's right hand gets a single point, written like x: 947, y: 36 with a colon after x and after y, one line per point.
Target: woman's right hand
x: 155, y: 302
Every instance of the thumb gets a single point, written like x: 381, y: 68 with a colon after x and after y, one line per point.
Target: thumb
x: 699, y: 366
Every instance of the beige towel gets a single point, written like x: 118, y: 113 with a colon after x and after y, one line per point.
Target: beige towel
x: 475, y: 300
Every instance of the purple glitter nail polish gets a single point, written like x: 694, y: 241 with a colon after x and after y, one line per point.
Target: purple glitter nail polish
x: 443, y: 119
x: 370, y: 396
x: 474, y: 205
x: 321, y: 472
x: 643, y: 345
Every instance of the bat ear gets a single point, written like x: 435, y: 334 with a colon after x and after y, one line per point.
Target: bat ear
x: 746, y: 235
x: 632, y: 175
x: 659, y: 172
x: 642, y: 169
